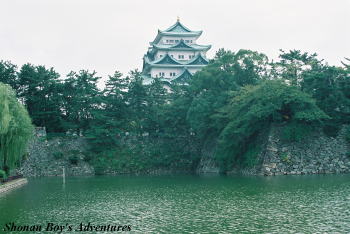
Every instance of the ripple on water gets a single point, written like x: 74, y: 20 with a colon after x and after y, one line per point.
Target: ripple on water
x: 188, y: 204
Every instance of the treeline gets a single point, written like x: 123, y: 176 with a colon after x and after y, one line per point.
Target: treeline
x: 135, y: 127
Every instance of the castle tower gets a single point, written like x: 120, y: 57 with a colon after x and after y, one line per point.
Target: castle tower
x: 174, y: 55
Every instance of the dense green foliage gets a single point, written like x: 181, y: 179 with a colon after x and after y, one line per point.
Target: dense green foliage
x: 2, y: 174
x: 253, y: 108
x: 233, y: 101
x: 15, y: 128
x: 347, y: 134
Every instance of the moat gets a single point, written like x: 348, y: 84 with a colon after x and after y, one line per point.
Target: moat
x: 185, y: 204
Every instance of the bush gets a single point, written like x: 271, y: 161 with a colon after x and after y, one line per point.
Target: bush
x: 100, y: 165
x: 75, y: 152
x: 331, y: 128
x: 88, y: 156
x: 73, y: 159
x: 58, y: 155
x: 285, y: 157
x: 295, y: 132
x: 250, y: 158
x: 2, y: 174
x: 347, y: 134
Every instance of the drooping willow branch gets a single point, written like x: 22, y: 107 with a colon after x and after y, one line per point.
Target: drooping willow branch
x: 15, y: 128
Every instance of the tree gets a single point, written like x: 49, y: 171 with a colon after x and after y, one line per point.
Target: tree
x: 111, y: 120
x: 15, y: 128
x: 253, y: 108
x: 80, y: 97
x: 347, y: 66
x: 137, y: 102
x: 8, y: 74
x: 39, y: 89
x: 210, y: 87
x: 293, y: 64
x: 156, y: 99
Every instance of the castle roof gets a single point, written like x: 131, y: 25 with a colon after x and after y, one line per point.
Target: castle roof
x: 198, y: 60
x: 178, y: 29
x: 183, y: 77
x: 181, y: 45
x: 167, y: 60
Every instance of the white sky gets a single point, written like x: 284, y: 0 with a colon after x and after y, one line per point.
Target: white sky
x: 109, y: 35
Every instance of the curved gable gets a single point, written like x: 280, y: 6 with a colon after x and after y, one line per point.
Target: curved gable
x: 178, y: 27
x: 167, y: 60
x: 199, y: 60
x: 184, y: 77
x: 182, y: 44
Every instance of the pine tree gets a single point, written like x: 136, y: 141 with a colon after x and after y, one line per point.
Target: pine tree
x: 39, y: 89
x: 80, y: 97
x: 111, y: 119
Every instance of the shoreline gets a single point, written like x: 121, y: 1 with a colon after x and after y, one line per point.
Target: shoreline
x: 12, y: 185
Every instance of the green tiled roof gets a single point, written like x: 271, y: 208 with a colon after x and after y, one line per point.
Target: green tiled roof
x: 184, y: 77
x: 167, y: 59
x: 182, y: 45
x: 198, y: 60
x: 177, y: 27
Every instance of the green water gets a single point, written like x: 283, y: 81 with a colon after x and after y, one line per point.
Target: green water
x: 186, y: 204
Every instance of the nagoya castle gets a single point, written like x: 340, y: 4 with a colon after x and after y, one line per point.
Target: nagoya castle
x: 174, y: 55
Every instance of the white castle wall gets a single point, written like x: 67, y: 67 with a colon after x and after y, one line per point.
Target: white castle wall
x: 176, y: 54
x: 155, y: 71
x: 164, y: 38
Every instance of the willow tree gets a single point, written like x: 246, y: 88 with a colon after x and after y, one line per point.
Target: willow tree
x: 15, y: 128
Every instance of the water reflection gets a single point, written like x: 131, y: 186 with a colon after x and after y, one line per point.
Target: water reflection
x: 187, y: 204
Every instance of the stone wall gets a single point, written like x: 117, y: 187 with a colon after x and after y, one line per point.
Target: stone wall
x: 41, y: 159
x: 12, y: 185
x: 207, y: 162
x: 316, y: 154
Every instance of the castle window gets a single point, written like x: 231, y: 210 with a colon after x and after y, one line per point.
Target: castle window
x: 161, y: 74
x: 171, y: 41
x: 160, y: 55
x: 181, y: 56
x: 176, y: 41
x: 172, y: 74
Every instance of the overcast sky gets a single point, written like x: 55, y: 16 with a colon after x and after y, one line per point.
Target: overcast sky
x: 109, y: 35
